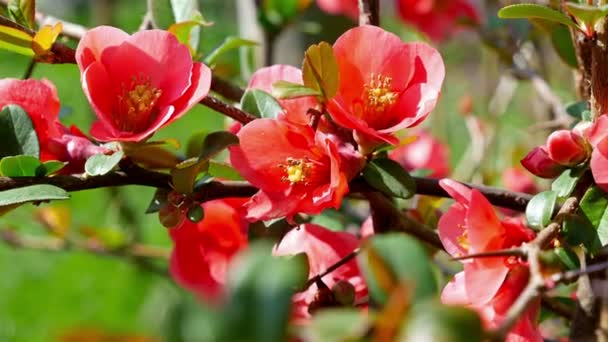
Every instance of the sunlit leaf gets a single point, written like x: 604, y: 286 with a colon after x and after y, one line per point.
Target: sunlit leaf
x: 230, y: 43
x: 101, y: 164
x: 527, y: 11
x: 261, y: 104
x: 387, y: 176
x: 16, y: 41
x: 41, y: 192
x: 320, y: 69
x: 17, y: 132
x: 540, y: 209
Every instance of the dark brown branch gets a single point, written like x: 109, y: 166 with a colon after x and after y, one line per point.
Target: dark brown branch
x: 228, y: 110
x: 226, y: 89
x: 369, y: 12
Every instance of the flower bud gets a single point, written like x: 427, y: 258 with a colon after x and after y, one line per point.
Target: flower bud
x: 539, y: 163
x: 567, y: 148
x: 344, y: 292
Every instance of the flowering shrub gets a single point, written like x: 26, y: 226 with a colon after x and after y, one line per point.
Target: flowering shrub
x: 324, y: 209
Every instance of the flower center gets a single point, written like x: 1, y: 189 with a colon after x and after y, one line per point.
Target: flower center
x: 303, y: 171
x: 379, y: 95
x: 136, y: 105
x: 463, y: 240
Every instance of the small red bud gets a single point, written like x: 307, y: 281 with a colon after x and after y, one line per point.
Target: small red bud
x: 567, y: 148
x: 539, y: 163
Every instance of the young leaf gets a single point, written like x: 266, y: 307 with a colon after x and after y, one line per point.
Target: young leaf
x: 432, y: 321
x: 390, y: 178
x: 527, y: 11
x: 223, y: 171
x: 100, y: 164
x: 52, y: 166
x: 16, y: 41
x: 260, y: 104
x: 188, y: 31
x: 586, y: 14
x: 159, y: 199
x: 562, y: 43
x: 33, y: 193
x: 288, y: 90
x: 540, y: 209
x: 576, y: 109
x: 23, y: 12
x: 577, y: 230
x: 19, y: 166
x: 216, y: 142
x: 320, y: 70
x: 566, y: 182
x: 230, y: 43
x: 17, y: 132
x: 45, y: 38
x: 382, y: 262
x: 259, y: 294
x: 184, y: 174
x: 195, y: 214
x: 593, y: 205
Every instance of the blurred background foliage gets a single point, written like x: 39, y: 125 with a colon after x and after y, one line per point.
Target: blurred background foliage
x: 80, y: 296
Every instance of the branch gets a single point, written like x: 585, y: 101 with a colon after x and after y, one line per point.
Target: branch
x: 369, y: 12
x: 228, y: 110
x: 536, y: 284
x: 348, y: 257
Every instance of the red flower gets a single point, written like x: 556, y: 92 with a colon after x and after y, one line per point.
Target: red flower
x: 203, y: 250
x: 296, y: 170
x: 138, y: 84
x: 567, y: 147
x: 425, y: 152
x: 540, y: 164
x: 323, y: 248
x: 488, y: 285
x: 437, y: 18
x: 597, y: 137
x: 349, y: 8
x: 295, y: 109
x: 384, y: 90
x: 39, y: 99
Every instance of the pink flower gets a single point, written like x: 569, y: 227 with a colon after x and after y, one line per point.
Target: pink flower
x: 349, y: 8
x: 323, y: 248
x: 488, y: 285
x: 203, y: 250
x: 138, y: 84
x: 296, y: 169
x: 295, y: 109
x: 540, y: 164
x: 39, y: 99
x: 425, y: 152
x: 597, y: 136
x: 438, y: 19
x: 384, y: 90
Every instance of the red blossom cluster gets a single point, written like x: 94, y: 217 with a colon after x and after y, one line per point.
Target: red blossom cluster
x: 438, y: 19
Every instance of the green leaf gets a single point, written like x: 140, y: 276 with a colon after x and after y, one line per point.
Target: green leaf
x: 390, y: 260
x: 593, y: 205
x: 195, y: 214
x: 566, y: 182
x: 101, y: 164
x: 261, y: 104
x: 259, y: 292
x: 20, y: 166
x: 568, y: 258
x: 562, y: 43
x: 216, y: 142
x: 274, y: 15
x: 16, y: 41
x: 223, y: 171
x: 17, y: 132
x: 528, y: 11
x: 589, y: 15
x: 432, y: 321
x: 23, y: 12
x: 184, y: 174
x: 577, y: 230
x: 336, y: 324
x: 540, y: 209
x: 320, y: 70
x: 33, y: 193
x: 230, y: 43
x: 390, y: 178
x: 160, y: 198
x: 576, y: 109
x: 288, y: 90
x: 52, y: 166
x: 188, y: 31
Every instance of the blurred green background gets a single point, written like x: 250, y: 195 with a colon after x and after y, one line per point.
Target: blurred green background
x: 47, y: 296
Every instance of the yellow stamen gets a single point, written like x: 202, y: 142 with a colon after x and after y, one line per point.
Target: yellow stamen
x: 136, y: 105
x: 379, y: 94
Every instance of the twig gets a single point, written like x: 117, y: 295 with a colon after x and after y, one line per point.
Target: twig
x: 536, y: 284
x: 228, y: 110
x: 226, y: 89
x: 369, y: 12
x: 332, y: 268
